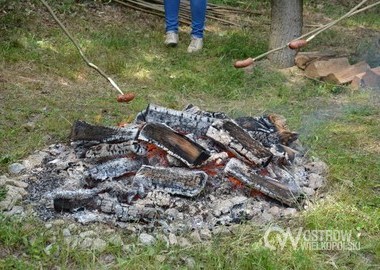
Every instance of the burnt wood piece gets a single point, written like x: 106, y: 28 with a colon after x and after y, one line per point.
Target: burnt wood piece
x: 173, y: 180
x: 82, y: 131
x: 286, y: 136
x: 106, y: 150
x: 238, y: 141
x: 180, y: 121
x: 114, y: 168
x: 127, y: 213
x: 285, y: 193
x: 196, y: 110
x: 268, y: 129
x: 260, y: 129
x: 72, y: 200
x: 177, y: 145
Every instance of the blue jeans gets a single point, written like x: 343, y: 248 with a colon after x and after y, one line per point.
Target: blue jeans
x: 198, y: 16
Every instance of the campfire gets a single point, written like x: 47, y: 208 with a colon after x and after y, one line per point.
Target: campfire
x: 176, y: 170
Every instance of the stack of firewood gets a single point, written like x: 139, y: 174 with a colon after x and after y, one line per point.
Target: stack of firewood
x: 327, y: 67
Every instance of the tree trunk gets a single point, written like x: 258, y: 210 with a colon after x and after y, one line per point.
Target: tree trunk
x: 286, y: 25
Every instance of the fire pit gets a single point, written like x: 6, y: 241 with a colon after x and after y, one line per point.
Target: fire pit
x: 176, y: 171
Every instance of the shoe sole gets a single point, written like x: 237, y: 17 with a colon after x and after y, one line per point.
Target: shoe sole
x: 171, y: 44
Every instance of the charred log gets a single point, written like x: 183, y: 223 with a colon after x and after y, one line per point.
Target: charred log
x: 177, y: 181
x: 104, y: 150
x: 113, y: 169
x: 197, y: 111
x: 238, y: 141
x: 180, y: 121
x: 82, y: 131
x: 181, y: 147
x: 71, y: 200
x: 285, y: 193
x: 268, y: 129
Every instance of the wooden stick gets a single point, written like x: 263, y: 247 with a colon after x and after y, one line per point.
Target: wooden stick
x: 329, y: 25
x: 101, y: 72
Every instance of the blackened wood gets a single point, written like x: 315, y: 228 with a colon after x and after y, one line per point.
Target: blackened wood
x: 127, y: 213
x: 260, y: 129
x: 285, y: 193
x: 197, y: 111
x: 189, y: 152
x: 180, y: 121
x: 71, y: 200
x: 238, y: 141
x: 172, y: 180
x: 268, y: 129
x: 106, y: 150
x: 82, y: 131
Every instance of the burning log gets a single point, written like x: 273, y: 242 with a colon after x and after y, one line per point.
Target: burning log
x: 179, y: 146
x: 268, y: 130
x: 285, y: 193
x: 239, y: 142
x: 177, y: 181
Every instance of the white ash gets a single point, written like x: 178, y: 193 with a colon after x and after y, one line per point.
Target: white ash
x: 59, y: 170
x: 221, y: 202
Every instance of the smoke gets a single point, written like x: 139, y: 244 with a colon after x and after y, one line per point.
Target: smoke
x: 369, y: 51
x: 366, y: 103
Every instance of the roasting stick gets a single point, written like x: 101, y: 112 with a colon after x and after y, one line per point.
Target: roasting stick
x: 298, y: 42
x: 352, y: 12
x: 122, y: 97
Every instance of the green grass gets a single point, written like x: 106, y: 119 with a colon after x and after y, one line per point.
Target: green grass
x: 43, y: 80
x: 3, y: 193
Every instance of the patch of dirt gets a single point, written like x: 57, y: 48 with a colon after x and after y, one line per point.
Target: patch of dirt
x: 4, y: 252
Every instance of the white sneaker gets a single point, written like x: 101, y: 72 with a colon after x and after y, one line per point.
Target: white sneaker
x: 196, y: 44
x: 171, y: 39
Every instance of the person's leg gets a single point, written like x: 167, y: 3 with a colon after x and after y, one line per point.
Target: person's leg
x: 171, y: 15
x: 198, y: 17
